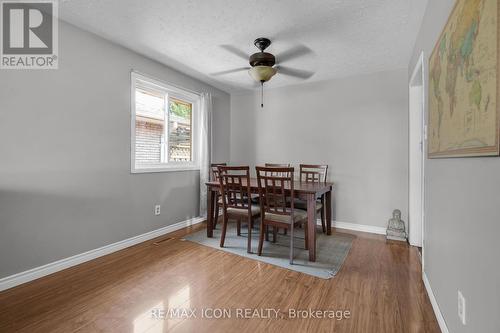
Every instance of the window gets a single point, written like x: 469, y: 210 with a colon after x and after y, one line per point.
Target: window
x: 164, y: 126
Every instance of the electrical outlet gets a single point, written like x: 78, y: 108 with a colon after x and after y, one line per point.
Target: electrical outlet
x: 461, y: 307
x: 157, y: 210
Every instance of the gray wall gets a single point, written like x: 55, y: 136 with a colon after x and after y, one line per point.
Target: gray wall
x: 65, y: 182
x: 461, y: 218
x: 357, y: 125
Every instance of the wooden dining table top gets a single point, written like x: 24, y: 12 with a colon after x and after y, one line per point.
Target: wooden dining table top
x: 298, y: 186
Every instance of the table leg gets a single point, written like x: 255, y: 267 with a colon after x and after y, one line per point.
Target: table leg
x: 210, y: 211
x: 328, y: 218
x: 311, y: 225
x: 249, y: 239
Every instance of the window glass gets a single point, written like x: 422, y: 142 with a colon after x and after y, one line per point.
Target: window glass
x: 149, y: 127
x: 179, y: 129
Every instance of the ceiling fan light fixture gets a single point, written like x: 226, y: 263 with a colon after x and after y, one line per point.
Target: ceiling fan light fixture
x: 262, y: 63
x: 262, y: 73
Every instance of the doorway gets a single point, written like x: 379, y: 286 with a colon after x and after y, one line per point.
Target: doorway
x: 416, y: 152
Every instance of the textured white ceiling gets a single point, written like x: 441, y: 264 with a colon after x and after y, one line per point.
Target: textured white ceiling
x: 346, y: 37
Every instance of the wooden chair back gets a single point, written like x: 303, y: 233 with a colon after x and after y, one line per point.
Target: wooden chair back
x: 214, y: 171
x: 313, y: 173
x: 235, y: 186
x: 276, y: 189
x: 277, y: 165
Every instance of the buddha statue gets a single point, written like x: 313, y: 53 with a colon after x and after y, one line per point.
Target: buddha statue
x: 396, y: 227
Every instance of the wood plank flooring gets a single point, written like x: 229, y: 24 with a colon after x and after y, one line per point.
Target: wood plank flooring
x: 380, y: 285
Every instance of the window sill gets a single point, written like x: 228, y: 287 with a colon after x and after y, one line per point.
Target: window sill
x: 172, y: 168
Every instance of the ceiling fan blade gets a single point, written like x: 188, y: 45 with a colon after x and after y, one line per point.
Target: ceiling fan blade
x: 229, y: 71
x: 302, y: 74
x: 236, y: 51
x: 292, y: 53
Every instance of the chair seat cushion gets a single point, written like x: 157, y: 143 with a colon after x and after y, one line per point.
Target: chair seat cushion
x: 302, y: 204
x: 298, y: 215
x: 255, y: 210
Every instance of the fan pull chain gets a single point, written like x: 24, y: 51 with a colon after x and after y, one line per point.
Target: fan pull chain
x: 261, y: 94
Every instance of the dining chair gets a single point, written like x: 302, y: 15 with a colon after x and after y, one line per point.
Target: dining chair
x: 275, y: 192
x: 314, y: 173
x: 215, y: 177
x: 278, y: 165
x: 275, y: 165
x: 255, y: 199
x: 236, y: 200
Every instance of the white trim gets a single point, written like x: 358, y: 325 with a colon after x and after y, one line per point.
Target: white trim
x: 418, y: 238
x: 56, y: 266
x: 357, y: 227
x: 415, y: 236
x: 418, y: 65
x: 435, y: 306
x: 154, y: 168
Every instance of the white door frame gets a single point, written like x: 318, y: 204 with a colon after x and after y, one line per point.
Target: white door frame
x: 417, y: 126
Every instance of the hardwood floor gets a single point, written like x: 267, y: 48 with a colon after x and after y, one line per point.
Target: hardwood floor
x: 380, y: 285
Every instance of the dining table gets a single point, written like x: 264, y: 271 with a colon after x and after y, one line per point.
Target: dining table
x: 308, y: 191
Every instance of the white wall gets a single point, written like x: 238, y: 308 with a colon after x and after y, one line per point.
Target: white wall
x: 65, y: 182
x: 357, y: 125
x: 462, y: 216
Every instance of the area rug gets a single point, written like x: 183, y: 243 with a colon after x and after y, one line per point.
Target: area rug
x: 331, y: 251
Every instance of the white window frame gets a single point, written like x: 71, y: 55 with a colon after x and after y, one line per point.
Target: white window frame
x: 170, y: 91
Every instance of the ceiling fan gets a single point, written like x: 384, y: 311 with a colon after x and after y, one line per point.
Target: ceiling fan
x: 263, y: 63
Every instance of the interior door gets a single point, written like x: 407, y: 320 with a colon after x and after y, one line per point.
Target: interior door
x: 416, y: 159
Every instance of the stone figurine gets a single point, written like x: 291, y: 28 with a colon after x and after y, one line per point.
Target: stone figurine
x: 396, y: 227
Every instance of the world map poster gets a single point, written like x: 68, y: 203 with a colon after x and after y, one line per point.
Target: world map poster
x: 463, y: 83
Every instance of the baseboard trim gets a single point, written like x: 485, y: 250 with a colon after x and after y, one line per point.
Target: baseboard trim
x: 435, y: 306
x: 38, y: 272
x: 56, y: 266
x: 358, y: 227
